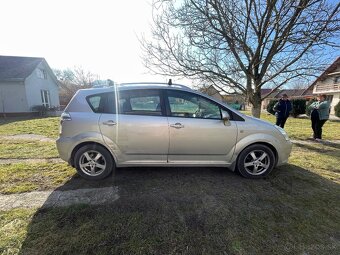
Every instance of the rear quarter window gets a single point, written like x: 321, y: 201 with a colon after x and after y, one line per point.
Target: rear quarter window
x: 102, y: 103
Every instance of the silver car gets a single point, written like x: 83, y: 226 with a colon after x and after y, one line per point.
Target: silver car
x: 164, y: 125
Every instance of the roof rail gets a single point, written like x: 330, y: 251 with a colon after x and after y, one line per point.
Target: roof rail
x: 170, y: 84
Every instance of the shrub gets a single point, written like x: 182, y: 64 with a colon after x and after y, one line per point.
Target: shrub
x: 337, y: 109
x: 298, y: 107
x: 41, y: 109
x: 308, y: 111
x: 270, y: 106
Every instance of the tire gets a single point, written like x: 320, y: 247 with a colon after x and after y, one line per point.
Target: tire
x: 94, y: 162
x: 256, y: 161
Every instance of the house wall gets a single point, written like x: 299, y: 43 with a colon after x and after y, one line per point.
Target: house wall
x: 335, y: 101
x: 13, y: 97
x: 34, y: 85
x: 329, y: 87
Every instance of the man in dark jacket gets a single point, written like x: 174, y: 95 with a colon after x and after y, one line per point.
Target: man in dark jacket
x: 282, y: 109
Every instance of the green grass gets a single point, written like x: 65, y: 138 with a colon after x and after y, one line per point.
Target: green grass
x: 323, y: 160
x: 13, y: 229
x: 190, y: 211
x: 20, y: 177
x: 295, y: 210
x: 298, y: 128
x: 23, y: 149
x: 40, y: 126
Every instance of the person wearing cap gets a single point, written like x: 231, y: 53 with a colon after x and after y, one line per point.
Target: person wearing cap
x: 282, y: 109
x: 319, y: 115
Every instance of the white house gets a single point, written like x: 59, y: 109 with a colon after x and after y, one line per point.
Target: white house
x: 26, y: 82
x: 329, y: 83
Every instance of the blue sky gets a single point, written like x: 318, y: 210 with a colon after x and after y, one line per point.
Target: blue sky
x: 100, y: 36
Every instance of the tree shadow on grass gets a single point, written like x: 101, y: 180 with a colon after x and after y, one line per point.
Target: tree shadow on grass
x: 195, y: 211
x: 319, y: 147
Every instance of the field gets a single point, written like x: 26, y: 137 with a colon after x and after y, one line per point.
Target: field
x: 295, y: 210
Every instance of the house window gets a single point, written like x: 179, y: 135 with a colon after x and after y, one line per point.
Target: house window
x: 41, y: 73
x: 45, y: 98
x: 337, y: 79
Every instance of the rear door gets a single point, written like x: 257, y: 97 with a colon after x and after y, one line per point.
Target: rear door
x: 139, y: 133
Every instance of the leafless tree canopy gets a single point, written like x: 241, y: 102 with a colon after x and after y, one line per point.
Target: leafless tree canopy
x: 71, y: 80
x: 241, y: 45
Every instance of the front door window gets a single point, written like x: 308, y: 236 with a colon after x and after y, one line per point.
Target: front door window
x: 189, y: 105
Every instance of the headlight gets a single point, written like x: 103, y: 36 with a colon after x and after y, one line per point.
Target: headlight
x: 283, y: 132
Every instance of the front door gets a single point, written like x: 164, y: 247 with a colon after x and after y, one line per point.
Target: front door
x: 197, y: 132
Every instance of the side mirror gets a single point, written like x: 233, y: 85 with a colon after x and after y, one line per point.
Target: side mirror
x: 225, y: 116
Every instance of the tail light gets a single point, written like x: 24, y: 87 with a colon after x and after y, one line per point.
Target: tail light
x: 65, y: 116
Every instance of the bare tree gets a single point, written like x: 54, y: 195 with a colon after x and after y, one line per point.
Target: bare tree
x: 71, y: 80
x: 242, y: 45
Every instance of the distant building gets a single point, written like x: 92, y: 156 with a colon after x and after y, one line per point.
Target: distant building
x: 213, y: 92
x: 26, y: 82
x: 223, y: 96
x: 329, y: 83
x: 291, y: 93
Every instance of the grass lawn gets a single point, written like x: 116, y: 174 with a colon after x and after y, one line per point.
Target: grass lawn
x: 21, y: 149
x: 48, y: 127
x: 298, y: 128
x: 23, y: 177
x: 295, y: 210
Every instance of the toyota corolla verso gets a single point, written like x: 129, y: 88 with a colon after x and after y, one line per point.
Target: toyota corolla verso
x: 164, y: 125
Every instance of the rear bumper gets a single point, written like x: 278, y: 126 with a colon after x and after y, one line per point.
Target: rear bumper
x: 64, y: 146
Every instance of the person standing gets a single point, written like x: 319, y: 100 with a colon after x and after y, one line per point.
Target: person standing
x: 282, y: 109
x: 319, y: 115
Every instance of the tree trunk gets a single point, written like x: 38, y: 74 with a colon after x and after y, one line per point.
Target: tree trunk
x: 256, y: 104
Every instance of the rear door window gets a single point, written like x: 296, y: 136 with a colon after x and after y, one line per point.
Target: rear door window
x: 140, y: 102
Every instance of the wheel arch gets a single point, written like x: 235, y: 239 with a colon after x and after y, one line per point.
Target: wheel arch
x: 78, y: 146
x: 233, y: 166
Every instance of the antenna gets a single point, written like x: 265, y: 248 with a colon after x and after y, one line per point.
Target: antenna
x: 170, y: 82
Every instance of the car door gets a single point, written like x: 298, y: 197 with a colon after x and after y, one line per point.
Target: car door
x: 139, y: 133
x: 197, y: 132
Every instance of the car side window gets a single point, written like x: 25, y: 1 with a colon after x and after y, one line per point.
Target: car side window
x: 140, y: 102
x: 102, y: 103
x: 189, y: 105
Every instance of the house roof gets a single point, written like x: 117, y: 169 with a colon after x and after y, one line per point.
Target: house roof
x: 17, y: 68
x: 290, y: 92
x: 323, y: 76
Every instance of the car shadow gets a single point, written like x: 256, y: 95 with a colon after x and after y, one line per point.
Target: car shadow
x: 192, y: 211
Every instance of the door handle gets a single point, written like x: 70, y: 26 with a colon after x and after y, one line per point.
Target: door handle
x: 109, y: 123
x: 177, y: 125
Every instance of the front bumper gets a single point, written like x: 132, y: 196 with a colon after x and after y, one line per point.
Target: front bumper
x: 284, y: 152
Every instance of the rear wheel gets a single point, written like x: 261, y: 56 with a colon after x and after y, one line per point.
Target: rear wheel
x: 256, y: 161
x: 93, y: 162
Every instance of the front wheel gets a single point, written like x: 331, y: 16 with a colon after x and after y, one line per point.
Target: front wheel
x: 93, y: 162
x: 256, y: 161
